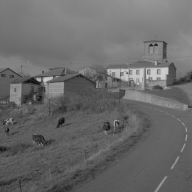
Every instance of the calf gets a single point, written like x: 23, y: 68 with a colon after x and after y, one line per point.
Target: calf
x: 61, y: 121
x: 38, y: 139
x: 106, y: 127
x: 116, y: 125
x: 9, y: 121
x: 7, y: 130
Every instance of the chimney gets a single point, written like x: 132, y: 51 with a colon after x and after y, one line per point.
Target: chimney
x: 42, y: 71
x: 156, y: 63
x: 65, y: 71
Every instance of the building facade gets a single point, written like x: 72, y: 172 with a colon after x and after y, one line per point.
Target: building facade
x: 153, y: 67
x: 21, y: 88
x: 6, y: 77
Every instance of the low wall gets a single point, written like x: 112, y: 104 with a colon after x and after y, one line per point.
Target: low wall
x: 153, y: 99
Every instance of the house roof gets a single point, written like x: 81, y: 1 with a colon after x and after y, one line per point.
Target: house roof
x: 25, y: 80
x: 140, y: 64
x: 55, y: 72
x: 67, y: 77
x: 3, y: 69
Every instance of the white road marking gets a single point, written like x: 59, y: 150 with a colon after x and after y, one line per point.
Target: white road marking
x: 183, y: 124
x: 161, y: 184
x: 186, y: 137
x: 178, y: 119
x: 175, y: 162
x: 167, y: 113
x: 174, y: 116
x: 183, y: 148
x: 161, y: 111
x: 186, y: 129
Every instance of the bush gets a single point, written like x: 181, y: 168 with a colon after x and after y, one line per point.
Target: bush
x: 157, y: 87
x: 88, y: 100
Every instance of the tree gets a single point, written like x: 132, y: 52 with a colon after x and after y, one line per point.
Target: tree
x: 95, y: 73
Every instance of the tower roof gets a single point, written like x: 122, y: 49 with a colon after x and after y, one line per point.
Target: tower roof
x: 153, y: 41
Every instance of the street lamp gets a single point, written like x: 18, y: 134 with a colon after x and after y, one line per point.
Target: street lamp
x: 120, y: 82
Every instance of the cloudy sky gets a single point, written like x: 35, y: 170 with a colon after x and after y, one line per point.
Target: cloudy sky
x: 40, y: 34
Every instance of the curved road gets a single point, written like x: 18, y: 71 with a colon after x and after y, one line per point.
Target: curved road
x: 162, y: 163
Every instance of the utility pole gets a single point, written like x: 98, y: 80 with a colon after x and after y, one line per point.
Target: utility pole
x: 128, y: 73
x: 21, y: 70
x: 120, y: 86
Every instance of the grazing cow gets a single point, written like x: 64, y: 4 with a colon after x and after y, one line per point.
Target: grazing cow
x: 116, y: 125
x: 7, y: 130
x: 106, y: 127
x: 9, y: 121
x: 38, y: 139
x: 61, y: 121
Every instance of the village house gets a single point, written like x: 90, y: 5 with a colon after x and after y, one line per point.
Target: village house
x: 22, y: 89
x: 6, y: 77
x: 44, y: 77
x: 67, y: 83
x: 153, y: 66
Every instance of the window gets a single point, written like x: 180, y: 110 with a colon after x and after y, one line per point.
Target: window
x: 158, y: 78
x: 156, y: 48
x: 15, y: 89
x: 150, y: 49
x: 148, y: 71
x: 11, y: 76
x: 158, y: 71
x: 121, y: 74
x: 150, y: 78
x: 3, y: 75
x: 113, y: 74
x: 137, y: 72
x: 32, y: 88
x: 130, y: 72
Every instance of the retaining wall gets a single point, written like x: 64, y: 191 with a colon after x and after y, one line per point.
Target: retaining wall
x: 154, y: 99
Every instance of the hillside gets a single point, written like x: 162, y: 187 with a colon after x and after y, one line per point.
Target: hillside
x: 74, y: 153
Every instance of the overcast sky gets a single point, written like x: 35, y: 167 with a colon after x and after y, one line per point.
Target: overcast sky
x: 40, y: 34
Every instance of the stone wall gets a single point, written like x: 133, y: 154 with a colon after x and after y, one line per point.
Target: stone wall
x: 153, y: 99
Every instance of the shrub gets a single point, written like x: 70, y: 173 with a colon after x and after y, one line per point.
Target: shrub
x: 157, y: 87
x: 88, y: 100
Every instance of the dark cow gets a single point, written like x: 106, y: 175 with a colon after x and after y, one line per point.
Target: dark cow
x: 116, y: 124
x: 38, y: 139
x: 7, y: 130
x: 9, y: 121
x: 106, y: 127
x: 61, y: 121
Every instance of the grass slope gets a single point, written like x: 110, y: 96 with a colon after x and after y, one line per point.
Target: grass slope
x: 173, y: 93
x: 74, y: 153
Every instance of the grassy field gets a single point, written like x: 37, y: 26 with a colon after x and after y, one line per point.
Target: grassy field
x: 174, y: 93
x: 74, y: 153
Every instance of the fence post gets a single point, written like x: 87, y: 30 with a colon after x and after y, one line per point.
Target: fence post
x: 49, y: 173
x: 85, y: 155
x: 20, y: 185
x: 96, y: 147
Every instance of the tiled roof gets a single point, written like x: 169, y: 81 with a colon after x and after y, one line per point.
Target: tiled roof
x: 55, y: 72
x: 67, y: 77
x: 140, y: 64
x: 152, y: 41
x: 25, y: 80
x: 3, y: 69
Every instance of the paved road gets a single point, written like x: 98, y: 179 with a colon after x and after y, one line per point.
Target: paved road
x: 162, y: 163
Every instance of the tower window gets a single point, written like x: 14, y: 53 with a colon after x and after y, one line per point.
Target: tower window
x: 151, y: 49
x: 156, y: 48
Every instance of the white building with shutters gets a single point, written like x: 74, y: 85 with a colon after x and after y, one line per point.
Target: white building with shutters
x: 154, y: 63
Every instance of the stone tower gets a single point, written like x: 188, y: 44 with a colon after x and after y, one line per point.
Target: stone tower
x: 155, y: 51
